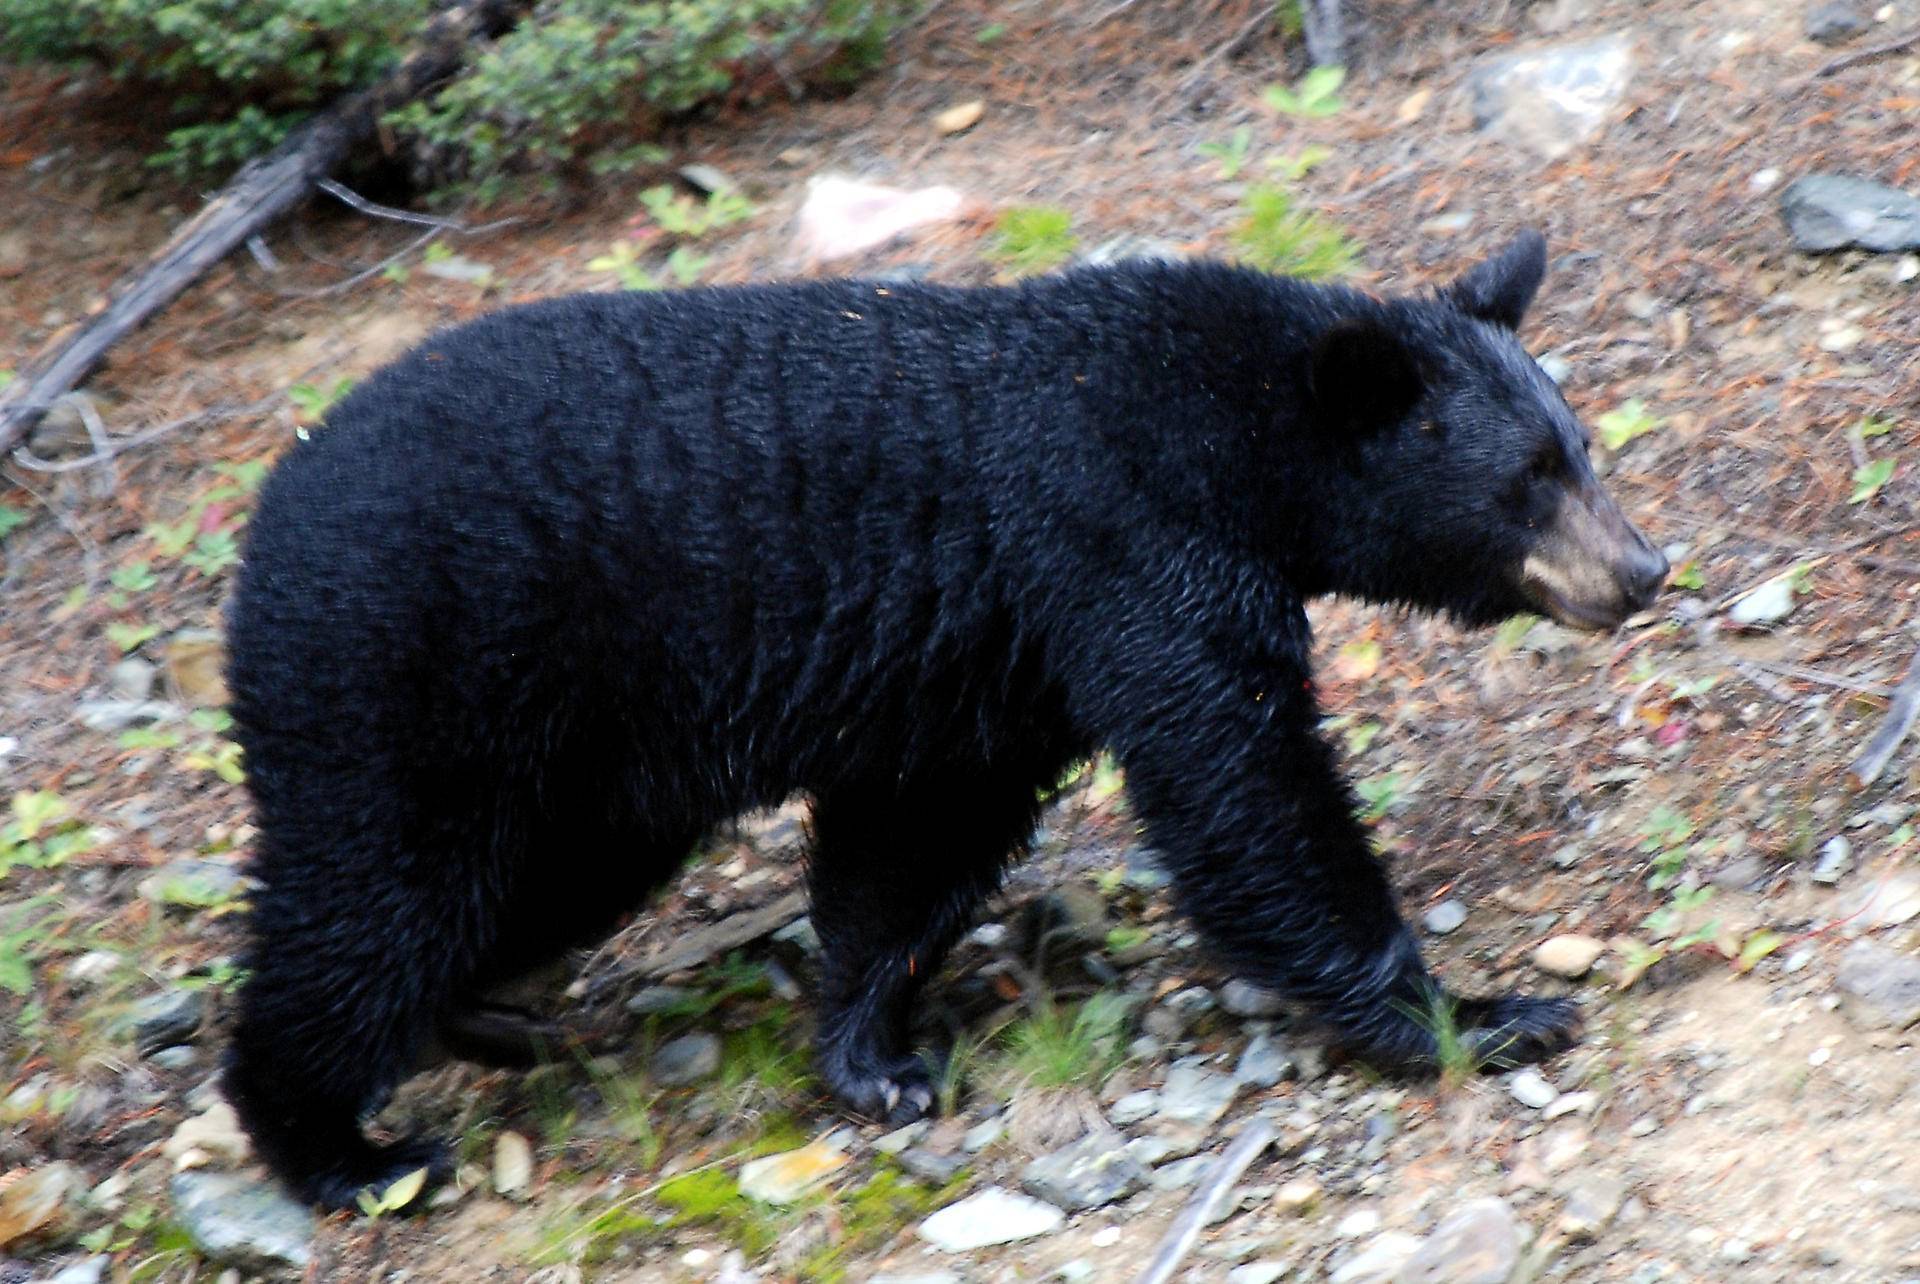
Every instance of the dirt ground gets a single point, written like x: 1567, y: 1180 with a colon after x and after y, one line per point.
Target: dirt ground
x: 1751, y: 1118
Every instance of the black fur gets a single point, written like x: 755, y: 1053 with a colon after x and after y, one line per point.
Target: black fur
x: 564, y: 588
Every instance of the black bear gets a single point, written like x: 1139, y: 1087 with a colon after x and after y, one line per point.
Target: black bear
x: 555, y: 594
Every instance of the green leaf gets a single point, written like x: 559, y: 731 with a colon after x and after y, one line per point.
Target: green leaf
x: 1869, y: 478
x: 1629, y: 420
x: 1513, y: 632
x: 1358, y: 738
x: 1871, y: 426
x: 1757, y: 947
x: 127, y: 637
x: 990, y: 33
x: 1316, y: 94
x: 1032, y: 238
x: 11, y: 519
x: 1689, y: 577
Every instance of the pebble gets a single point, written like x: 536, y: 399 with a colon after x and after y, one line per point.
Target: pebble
x: 1572, y: 1103
x: 1479, y: 1244
x: 1257, y: 1273
x: 89, y: 1270
x: 656, y: 999
x: 1553, y: 99
x: 1134, y: 1107
x: 687, y: 1059
x: 900, y: 1138
x: 133, y: 678
x: 93, y: 968
x: 1379, y: 1262
x: 1884, y: 983
x: 1196, y: 1095
x: 982, y: 1135
x: 782, y: 1179
x: 1181, y: 1173
x: 165, y: 1019
x: 930, y: 1167
x: 1571, y: 956
x: 993, y: 1216
x: 117, y: 715
x: 1105, y: 1237
x: 1836, y: 858
x: 1530, y: 1088
x: 1245, y: 999
x: 1593, y: 1201
x: 1444, y: 918
x: 512, y: 1166
x: 960, y: 117
x: 1833, y: 211
x: 1264, y: 1063
x: 1298, y: 1195
x: 1364, y: 1221
x: 243, y: 1222
x: 1771, y: 603
x: 1145, y: 870
x: 195, y: 882
x: 1090, y: 1173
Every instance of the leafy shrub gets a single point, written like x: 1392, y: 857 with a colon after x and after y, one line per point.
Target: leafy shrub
x: 1033, y: 238
x: 571, y: 79
x: 1276, y: 236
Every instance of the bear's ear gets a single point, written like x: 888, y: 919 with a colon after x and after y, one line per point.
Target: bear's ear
x: 1362, y: 376
x: 1500, y: 289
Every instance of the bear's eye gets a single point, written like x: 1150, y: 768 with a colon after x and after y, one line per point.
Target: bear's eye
x: 1545, y: 466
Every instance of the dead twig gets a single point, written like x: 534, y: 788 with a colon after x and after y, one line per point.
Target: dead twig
x: 1185, y: 1231
x: 1899, y: 721
x: 1872, y: 54
x: 702, y: 945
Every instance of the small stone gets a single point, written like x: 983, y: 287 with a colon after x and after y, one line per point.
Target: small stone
x: 1530, y: 1088
x: 1572, y: 1103
x: 1364, y: 1221
x: 1644, y: 1126
x: 687, y: 1059
x: 1245, y: 999
x: 930, y: 1167
x: 1593, y: 1201
x: 132, y: 678
x: 710, y: 179
x: 1479, y: 1244
x: 1836, y: 858
x: 1181, y: 1173
x: 1298, y: 1195
x: 512, y: 1166
x: 1105, y: 1237
x: 1736, y: 1251
x: 215, y: 1134
x: 194, y: 882
x: 1552, y: 100
x: 1378, y: 1262
x: 1134, y: 1107
x: 1090, y: 1173
x: 1841, y: 338
x: 1444, y: 918
x: 1195, y: 1095
x: 35, y: 1203
x: 1257, y: 1273
x: 1571, y: 956
x: 165, y: 1019
x: 1884, y: 982
x: 90, y: 1270
x: 982, y: 1135
x: 1771, y: 603
x: 993, y: 1216
x: 1833, y: 211
x: 900, y: 1138
x: 117, y: 715
x: 656, y: 999
x: 93, y: 968
x: 242, y: 1222
x: 458, y: 267
x: 1834, y: 24
x: 1264, y: 1063
x: 960, y: 117
x: 1144, y: 869
x: 782, y: 1179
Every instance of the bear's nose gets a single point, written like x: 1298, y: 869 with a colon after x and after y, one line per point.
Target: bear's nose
x: 1645, y: 573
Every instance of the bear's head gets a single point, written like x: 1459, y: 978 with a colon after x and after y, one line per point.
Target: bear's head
x: 1465, y: 479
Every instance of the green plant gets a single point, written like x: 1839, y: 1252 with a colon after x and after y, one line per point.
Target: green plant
x: 990, y: 33
x: 1626, y: 421
x: 1291, y: 168
x: 1060, y: 1048
x: 42, y: 833
x: 1457, y: 1058
x: 214, y: 752
x: 1231, y: 152
x: 1690, y: 576
x: 1869, y: 477
x: 313, y: 401
x: 1383, y: 795
x: 23, y: 931
x: 1317, y: 94
x: 1275, y: 236
x: 677, y: 214
x: 1032, y: 238
x: 11, y: 518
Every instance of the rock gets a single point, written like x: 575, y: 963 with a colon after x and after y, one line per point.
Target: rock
x: 1832, y: 211
x: 93, y: 968
x: 132, y: 678
x: 1552, y: 100
x: 1530, y: 1088
x: 38, y: 1202
x: 1298, y: 1195
x: 1134, y: 1107
x: 1571, y: 956
x: 214, y: 1135
x: 1834, y: 24
x: 1090, y: 1173
x: 1144, y: 870
x: 1257, y: 1273
x: 1244, y: 999
x: 196, y: 882
x: 1362, y: 1221
x: 117, y: 715
x: 165, y: 1019
x: 1885, y: 982
x: 1445, y: 917
x: 1264, y: 1063
x: 1771, y: 603
x: 1378, y: 1262
x: 90, y: 1270
x: 1479, y: 1244
x: 687, y: 1059
x: 933, y: 1168
x: 1836, y: 858
x: 784, y: 1178
x: 242, y: 1222
x: 1572, y: 1103
x: 960, y: 117
x: 196, y: 661
x: 458, y: 267
x: 900, y: 1138
x: 982, y: 1135
x: 842, y: 216
x: 1181, y: 1173
x: 1195, y: 1095
x: 927, y: 1277
x: 512, y: 1166
x: 993, y: 1216
x: 710, y: 179
x: 1593, y: 1201
x: 656, y: 999
x: 1888, y: 903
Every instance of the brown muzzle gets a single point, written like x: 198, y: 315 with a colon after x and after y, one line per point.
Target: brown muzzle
x: 1591, y: 568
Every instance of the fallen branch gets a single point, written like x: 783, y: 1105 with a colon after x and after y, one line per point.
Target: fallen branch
x: 703, y: 945
x: 1185, y: 1231
x: 1879, y: 751
x: 262, y: 190
x: 1875, y: 53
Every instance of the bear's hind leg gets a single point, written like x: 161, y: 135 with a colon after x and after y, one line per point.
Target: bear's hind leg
x: 897, y: 875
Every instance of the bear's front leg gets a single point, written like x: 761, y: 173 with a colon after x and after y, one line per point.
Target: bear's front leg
x: 1258, y: 829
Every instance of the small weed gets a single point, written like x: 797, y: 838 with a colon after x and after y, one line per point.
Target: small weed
x: 24, y: 932
x: 985, y: 36
x: 1231, y: 152
x: 1032, y: 238
x: 1869, y: 477
x: 1383, y: 795
x: 1625, y: 422
x: 312, y: 400
x: 1292, y: 168
x: 1316, y: 95
x: 11, y: 519
x: 1360, y: 737
x: 623, y: 261
x: 1689, y: 577
x: 683, y: 216
x: 710, y: 1196
x: 42, y: 833
x: 1274, y: 236
x: 1060, y: 1048
x: 1458, y: 1059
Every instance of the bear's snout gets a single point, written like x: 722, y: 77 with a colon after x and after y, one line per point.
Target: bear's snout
x: 1591, y: 568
